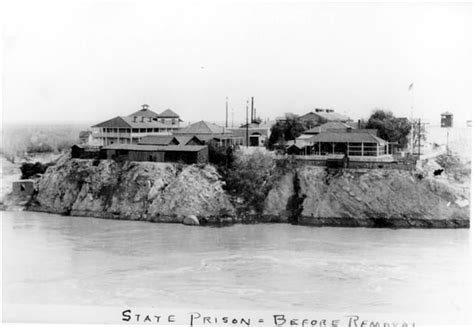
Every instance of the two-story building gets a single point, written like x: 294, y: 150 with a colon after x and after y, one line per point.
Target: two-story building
x: 132, y: 128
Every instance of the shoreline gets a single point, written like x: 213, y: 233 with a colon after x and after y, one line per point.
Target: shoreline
x: 376, y: 223
x: 305, y: 196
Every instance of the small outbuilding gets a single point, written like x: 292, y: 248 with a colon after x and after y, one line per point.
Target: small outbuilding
x: 82, y: 151
x: 188, y: 154
x: 24, y: 187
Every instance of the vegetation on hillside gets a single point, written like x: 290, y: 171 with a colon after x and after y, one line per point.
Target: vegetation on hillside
x: 389, y: 127
x: 20, y: 140
x: 29, y: 170
x: 453, y: 165
x: 248, y: 177
x: 283, y: 131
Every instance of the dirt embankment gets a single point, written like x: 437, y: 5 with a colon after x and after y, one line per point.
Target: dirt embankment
x: 162, y: 192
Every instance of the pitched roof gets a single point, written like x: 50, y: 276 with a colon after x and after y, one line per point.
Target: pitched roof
x: 156, y: 139
x: 184, y: 139
x: 332, y: 116
x: 326, y: 126
x: 329, y: 116
x: 132, y: 122
x: 162, y: 148
x: 168, y: 113
x: 117, y: 122
x: 300, y: 144
x: 347, y: 137
x: 144, y: 113
x: 203, y: 127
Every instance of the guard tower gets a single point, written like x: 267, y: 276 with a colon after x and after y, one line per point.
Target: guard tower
x: 447, y: 122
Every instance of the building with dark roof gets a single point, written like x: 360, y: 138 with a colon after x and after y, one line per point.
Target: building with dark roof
x: 353, y: 142
x: 171, y: 140
x: 188, y: 154
x: 326, y: 126
x: 209, y: 133
x: 131, y: 128
x: 84, y: 151
x: 321, y: 116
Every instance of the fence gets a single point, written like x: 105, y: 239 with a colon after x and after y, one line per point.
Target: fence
x: 354, y: 163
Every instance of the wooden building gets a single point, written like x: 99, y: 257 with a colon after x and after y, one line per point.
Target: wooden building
x: 321, y: 116
x: 132, y: 128
x: 209, y: 133
x: 83, y: 151
x: 188, y: 154
x: 258, y: 134
x: 24, y: 187
x: 171, y: 140
x: 354, y: 142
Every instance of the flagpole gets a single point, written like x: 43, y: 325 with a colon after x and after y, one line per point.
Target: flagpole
x: 412, y: 136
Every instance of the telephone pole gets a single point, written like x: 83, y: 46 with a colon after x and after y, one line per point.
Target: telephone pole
x: 247, y: 126
x: 252, y: 118
x: 226, y: 112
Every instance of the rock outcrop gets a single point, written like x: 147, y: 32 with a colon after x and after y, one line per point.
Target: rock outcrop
x: 379, y: 198
x: 162, y: 192
x: 135, y: 190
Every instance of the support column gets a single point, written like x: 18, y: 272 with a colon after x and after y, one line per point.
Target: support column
x: 362, y: 149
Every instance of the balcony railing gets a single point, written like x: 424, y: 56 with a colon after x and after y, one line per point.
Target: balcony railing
x: 111, y: 135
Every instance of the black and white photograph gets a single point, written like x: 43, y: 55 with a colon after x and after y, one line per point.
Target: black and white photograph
x: 267, y: 163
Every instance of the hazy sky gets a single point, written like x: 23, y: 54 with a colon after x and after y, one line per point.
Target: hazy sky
x: 87, y: 61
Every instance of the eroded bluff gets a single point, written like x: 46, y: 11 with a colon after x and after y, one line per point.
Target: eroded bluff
x: 371, y: 198
x: 133, y: 190
x: 308, y: 195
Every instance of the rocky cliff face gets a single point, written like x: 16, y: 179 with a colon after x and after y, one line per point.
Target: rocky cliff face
x: 379, y: 198
x: 307, y: 195
x: 135, y: 190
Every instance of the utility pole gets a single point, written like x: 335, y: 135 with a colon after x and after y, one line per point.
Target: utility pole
x: 252, y: 118
x: 247, y: 126
x: 226, y: 112
x: 232, y: 113
x: 412, y: 139
x: 419, y: 137
x: 447, y: 140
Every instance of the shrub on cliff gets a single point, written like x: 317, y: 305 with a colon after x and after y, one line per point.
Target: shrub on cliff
x: 221, y: 156
x: 252, y: 176
x: 29, y: 170
x: 454, y: 166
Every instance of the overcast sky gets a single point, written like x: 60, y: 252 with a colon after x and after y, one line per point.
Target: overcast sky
x: 87, y: 61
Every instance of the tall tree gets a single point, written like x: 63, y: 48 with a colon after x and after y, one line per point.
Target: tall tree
x: 285, y: 130
x: 389, y: 127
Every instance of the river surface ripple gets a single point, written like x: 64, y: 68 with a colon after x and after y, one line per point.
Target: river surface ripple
x: 50, y: 259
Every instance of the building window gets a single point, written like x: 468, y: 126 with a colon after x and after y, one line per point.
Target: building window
x: 162, y: 120
x: 173, y: 121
